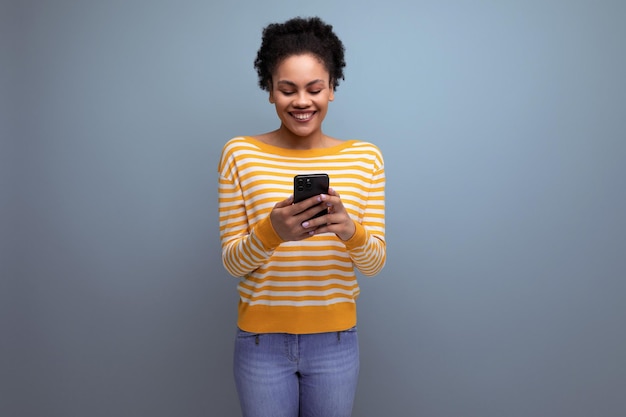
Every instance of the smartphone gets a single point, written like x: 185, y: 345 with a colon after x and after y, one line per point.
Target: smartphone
x: 305, y: 186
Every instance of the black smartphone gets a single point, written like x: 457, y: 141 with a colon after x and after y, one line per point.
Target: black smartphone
x: 305, y: 186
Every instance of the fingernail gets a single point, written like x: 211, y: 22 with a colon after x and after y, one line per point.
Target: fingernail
x: 305, y: 224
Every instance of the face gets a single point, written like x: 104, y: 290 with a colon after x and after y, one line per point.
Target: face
x: 301, y: 92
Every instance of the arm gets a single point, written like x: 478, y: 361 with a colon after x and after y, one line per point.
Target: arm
x: 244, y: 249
x: 365, y: 239
x: 367, y: 247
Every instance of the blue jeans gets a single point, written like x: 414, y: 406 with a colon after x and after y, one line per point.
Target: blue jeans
x: 289, y: 375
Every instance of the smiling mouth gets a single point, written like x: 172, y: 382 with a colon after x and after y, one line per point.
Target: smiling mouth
x: 303, y: 117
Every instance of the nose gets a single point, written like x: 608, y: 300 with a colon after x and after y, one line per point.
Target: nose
x: 302, y: 100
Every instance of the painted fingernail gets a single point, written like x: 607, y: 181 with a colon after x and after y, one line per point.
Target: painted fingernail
x: 305, y: 224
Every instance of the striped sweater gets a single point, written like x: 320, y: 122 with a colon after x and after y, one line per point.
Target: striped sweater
x: 306, y: 286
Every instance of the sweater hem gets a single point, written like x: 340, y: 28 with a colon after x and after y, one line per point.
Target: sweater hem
x: 296, y: 320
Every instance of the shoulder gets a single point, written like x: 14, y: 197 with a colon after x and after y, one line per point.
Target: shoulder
x: 238, y: 145
x: 238, y: 142
x: 364, y: 146
x: 366, y: 150
x: 234, y: 150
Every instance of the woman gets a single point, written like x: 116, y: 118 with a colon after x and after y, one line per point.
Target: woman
x: 296, y: 350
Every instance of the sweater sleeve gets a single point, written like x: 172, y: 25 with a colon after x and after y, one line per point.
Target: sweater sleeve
x: 244, y: 248
x: 367, y: 247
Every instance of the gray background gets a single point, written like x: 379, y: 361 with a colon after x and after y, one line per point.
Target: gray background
x: 503, y: 125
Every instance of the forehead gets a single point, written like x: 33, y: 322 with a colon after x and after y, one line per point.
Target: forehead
x: 301, y: 67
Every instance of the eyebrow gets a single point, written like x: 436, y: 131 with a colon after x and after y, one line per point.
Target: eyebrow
x: 291, y: 83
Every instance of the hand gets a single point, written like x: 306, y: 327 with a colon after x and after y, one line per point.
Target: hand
x: 288, y: 219
x: 337, y: 221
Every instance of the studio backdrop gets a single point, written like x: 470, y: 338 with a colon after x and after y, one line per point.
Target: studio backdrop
x: 502, y: 127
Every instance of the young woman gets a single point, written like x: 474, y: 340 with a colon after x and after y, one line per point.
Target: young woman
x: 296, y: 349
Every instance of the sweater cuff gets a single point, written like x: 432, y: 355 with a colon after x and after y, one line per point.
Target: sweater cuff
x: 265, y: 232
x: 358, y: 239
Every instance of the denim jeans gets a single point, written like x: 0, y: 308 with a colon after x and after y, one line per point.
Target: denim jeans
x: 288, y: 375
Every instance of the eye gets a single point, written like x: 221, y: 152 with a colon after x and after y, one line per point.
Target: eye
x: 287, y: 93
x: 316, y: 92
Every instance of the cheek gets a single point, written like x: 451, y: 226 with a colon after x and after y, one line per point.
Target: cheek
x: 324, y: 105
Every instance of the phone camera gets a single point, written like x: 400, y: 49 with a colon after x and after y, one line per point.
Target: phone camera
x: 300, y: 184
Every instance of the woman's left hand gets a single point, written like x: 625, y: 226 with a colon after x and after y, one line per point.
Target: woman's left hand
x: 337, y: 220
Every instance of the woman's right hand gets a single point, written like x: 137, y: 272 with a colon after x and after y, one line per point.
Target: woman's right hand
x: 288, y: 218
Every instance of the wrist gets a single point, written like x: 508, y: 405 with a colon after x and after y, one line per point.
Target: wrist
x: 347, y: 235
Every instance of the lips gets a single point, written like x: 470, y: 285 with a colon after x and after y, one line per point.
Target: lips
x: 303, y: 116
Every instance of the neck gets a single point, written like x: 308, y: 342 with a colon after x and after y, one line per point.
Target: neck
x: 286, y: 139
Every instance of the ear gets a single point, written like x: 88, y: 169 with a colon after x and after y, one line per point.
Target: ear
x: 331, y: 96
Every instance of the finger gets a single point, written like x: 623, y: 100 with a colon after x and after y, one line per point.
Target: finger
x: 332, y: 201
x: 313, y: 222
x: 308, y: 229
x: 307, y: 204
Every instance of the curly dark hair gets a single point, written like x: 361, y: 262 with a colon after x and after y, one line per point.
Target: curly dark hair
x: 295, y: 37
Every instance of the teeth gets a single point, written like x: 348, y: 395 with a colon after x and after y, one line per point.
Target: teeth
x: 303, y: 116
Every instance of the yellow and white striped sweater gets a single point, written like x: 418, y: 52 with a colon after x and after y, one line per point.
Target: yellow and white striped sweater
x: 307, y: 286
